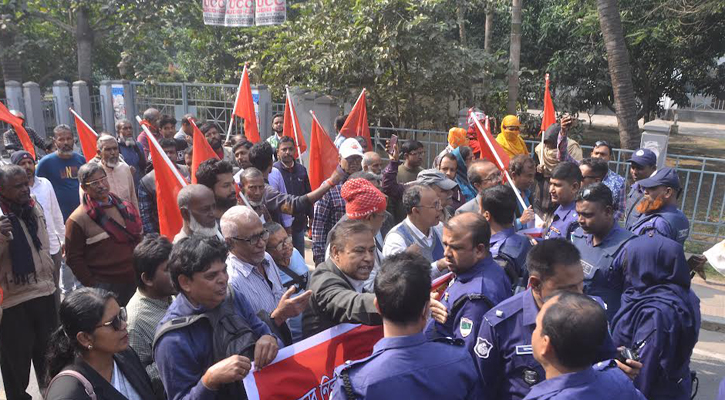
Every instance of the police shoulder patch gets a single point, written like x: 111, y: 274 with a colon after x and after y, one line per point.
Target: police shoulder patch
x: 466, y: 327
x: 483, y: 347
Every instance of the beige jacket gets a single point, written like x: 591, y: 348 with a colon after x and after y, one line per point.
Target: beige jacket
x: 43, y: 284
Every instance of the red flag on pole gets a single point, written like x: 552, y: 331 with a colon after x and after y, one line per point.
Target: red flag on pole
x: 307, y: 367
x: 323, y: 154
x: 292, y: 126
x: 87, y: 136
x: 356, y: 123
x: 487, y: 150
x: 168, y: 184
x: 17, y: 124
x: 244, y: 108
x: 201, y: 152
x: 549, y: 112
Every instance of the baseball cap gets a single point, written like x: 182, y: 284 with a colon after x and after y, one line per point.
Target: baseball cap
x: 434, y: 177
x: 663, y: 177
x: 350, y: 147
x: 20, y: 155
x: 644, y: 157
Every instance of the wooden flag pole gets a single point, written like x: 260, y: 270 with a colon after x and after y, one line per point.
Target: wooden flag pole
x: 236, y: 98
x: 294, y: 126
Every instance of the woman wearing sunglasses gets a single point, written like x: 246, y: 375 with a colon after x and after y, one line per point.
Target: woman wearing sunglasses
x: 88, y: 355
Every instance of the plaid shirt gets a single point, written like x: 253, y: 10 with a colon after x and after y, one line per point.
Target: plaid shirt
x: 12, y: 141
x: 144, y: 313
x: 328, y: 210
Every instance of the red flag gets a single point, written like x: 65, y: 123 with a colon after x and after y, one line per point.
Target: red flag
x: 17, y: 124
x: 489, y: 147
x: 323, y: 155
x: 356, y: 123
x: 168, y: 184
x: 307, y: 367
x: 201, y: 152
x: 292, y: 126
x: 440, y: 284
x: 244, y: 108
x: 87, y: 136
x: 549, y: 113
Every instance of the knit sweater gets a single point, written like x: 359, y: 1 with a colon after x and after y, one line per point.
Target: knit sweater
x: 92, y: 254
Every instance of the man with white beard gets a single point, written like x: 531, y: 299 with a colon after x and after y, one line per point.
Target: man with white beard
x: 197, y: 205
x: 120, y: 177
x: 252, y: 187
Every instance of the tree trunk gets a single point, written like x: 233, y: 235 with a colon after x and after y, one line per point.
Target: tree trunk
x: 620, y: 72
x: 488, y: 29
x: 514, y: 56
x: 84, y: 42
x: 12, y: 68
x: 461, y: 19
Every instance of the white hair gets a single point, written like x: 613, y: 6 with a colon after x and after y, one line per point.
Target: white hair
x: 369, y: 157
x: 234, y: 218
x: 102, y: 138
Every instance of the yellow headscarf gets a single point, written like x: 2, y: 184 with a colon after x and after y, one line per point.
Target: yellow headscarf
x: 510, y: 140
x: 457, y: 137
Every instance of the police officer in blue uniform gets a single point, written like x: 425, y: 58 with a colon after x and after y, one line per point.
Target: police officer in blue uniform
x: 659, y: 317
x: 508, y: 248
x: 569, y: 330
x: 503, y: 347
x: 404, y: 363
x: 642, y: 165
x: 601, y: 243
x: 564, y: 185
x: 479, y: 283
x: 659, y: 207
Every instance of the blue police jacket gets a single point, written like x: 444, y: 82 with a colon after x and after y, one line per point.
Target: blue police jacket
x: 564, y: 222
x: 602, y: 381
x: 411, y: 367
x: 631, y: 214
x: 468, y: 297
x: 668, y: 222
x: 511, y: 246
x: 659, y: 315
x: 603, y: 265
x: 183, y: 355
x: 503, y: 350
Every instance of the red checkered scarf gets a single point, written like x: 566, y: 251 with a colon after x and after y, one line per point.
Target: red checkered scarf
x: 130, y: 233
x: 362, y: 198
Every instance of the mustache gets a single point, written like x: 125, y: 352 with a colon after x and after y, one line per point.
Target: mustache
x: 648, y: 204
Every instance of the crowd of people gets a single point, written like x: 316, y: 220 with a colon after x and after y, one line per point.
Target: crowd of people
x: 579, y: 290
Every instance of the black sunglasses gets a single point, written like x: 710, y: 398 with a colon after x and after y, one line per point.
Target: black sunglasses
x: 117, y: 323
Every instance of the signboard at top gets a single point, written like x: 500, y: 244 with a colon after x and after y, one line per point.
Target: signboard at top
x: 244, y: 12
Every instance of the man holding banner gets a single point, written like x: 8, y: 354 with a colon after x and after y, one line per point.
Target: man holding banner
x: 404, y: 364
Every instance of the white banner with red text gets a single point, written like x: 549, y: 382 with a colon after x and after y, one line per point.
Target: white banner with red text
x: 244, y: 12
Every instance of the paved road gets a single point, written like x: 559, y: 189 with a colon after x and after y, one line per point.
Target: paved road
x: 708, y: 360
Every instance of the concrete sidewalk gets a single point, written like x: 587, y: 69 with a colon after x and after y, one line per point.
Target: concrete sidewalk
x: 712, y: 303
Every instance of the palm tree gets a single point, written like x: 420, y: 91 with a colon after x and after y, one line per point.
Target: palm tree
x: 514, y: 55
x: 620, y: 73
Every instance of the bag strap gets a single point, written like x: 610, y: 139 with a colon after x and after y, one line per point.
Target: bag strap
x: 296, y: 278
x: 174, y: 324
x: 87, y: 386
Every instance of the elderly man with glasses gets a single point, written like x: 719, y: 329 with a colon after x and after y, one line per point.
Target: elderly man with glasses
x: 253, y: 272
x: 482, y: 174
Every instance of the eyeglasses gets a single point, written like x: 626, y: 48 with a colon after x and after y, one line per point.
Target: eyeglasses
x: 118, y: 322
x: 253, y: 240
x: 602, y: 143
x: 496, y: 176
x: 96, y: 183
x: 437, y: 205
x: 287, y: 242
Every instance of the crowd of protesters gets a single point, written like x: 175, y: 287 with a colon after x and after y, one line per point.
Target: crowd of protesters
x: 555, y: 267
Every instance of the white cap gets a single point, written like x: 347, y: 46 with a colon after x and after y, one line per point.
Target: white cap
x: 350, y: 147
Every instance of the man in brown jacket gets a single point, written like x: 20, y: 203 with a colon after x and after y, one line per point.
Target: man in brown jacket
x: 101, y: 235
x: 337, y: 284
x: 26, y: 277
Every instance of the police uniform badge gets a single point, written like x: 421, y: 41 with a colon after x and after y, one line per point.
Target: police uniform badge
x: 483, y: 347
x: 466, y: 326
x: 531, y: 377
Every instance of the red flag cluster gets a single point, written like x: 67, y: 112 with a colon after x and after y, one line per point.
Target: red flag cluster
x: 87, y: 136
x: 201, y: 152
x: 292, y: 127
x: 17, y: 124
x: 322, y: 149
x: 244, y: 108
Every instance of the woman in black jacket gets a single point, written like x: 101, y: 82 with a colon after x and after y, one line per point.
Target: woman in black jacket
x: 90, y: 352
